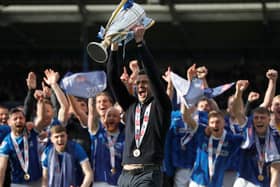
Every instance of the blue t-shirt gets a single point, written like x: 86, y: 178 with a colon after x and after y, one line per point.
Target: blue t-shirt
x: 175, y: 154
x: 200, y: 173
x: 4, y: 131
x: 100, y: 152
x: 235, y: 129
x: 78, y: 156
x: 17, y: 173
x: 248, y: 167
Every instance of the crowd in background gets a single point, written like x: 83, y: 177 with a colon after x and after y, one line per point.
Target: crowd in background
x: 56, y: 139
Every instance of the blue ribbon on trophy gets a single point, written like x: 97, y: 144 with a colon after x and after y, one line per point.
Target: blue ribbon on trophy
x: 192, y: 91
x: 84, y: 85
x: 125, y: 16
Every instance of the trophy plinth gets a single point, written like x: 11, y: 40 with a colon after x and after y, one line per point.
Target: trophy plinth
x: 98, y: 51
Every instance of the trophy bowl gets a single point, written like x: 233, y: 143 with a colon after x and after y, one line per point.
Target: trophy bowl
x: 97, y: 51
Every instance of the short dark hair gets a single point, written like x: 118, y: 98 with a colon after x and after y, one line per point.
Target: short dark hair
x: 141, y: 72
x: 57, y: 129
x: 15, y: 110
x: 261, y: 110
x: 203, y: 99
x: 47, y: 101
x: 106, y: 94
x: 215, y: 113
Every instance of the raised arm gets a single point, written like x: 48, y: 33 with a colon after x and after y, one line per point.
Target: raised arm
x: 92, y: 116
x: 125, y: 80
x: 51, y: 79
x: 167, y: 78
x: 201, y: 73
x: 272, y: 76
x: 118, y: 88
x: 39, y: 121
x: 252, y: 97
x: 79, y: 113
x: 151, y: 70
x: 187, y: 117
x: 29, y: 101
x: 237, y: 104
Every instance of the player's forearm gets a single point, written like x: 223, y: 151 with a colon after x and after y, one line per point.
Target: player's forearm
x: 87, y: 180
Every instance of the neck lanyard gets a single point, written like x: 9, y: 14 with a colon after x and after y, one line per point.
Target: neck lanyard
x: 24, y: 162
x: 140, y: 131
x: 111, y: 144
x: 186, y: 138
x: 261, y: 152
x: 211, y: 161
x: 231, y: 126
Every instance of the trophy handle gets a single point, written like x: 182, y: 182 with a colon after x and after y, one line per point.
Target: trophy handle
x: 115, y: 13
x: 150, y: 25
x: 98, y: 51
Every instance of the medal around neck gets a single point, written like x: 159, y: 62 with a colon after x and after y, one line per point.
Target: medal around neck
x: 26, y: 176
x: 136, y: 153
x: 260, y: 177
x: 118, y: 29
x: 113, y: 171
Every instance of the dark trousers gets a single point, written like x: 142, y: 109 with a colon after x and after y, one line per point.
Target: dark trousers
x: 145, y: 178
x: 167, y: 181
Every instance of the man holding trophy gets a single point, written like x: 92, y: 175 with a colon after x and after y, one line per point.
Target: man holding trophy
x: 147, y: 117
x: 118, y: 29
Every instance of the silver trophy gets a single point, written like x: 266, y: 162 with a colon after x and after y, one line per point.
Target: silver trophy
x: 118, y: 29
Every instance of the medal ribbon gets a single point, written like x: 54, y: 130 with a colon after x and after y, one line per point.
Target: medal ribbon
x: 261, y: 151
x: 211, y: 163
x: 111, y: 144
x: 186, y: 138
x: 140, y: 132
x: 24, y: 163
x: 231, y: 126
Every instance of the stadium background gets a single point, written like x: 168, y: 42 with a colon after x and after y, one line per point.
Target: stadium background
x: 233, y: 39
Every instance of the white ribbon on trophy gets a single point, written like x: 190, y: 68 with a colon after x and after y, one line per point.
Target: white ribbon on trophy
x: 125, y: 16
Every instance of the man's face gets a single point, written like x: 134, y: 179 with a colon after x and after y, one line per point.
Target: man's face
x: 143, y: 87
x: 4, y: 115
x: 83, y: 105
x: 112, y: 119
x: 203, y: 106
x: 229, y: 105
x: 261, y: 122
x: 48, y: 113
x: 102, y: 104
x: 275, y: 108
x: 17, y: 122
x: 216, y: 123
x: 59, y: 141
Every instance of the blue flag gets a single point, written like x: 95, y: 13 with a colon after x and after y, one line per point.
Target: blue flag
x: 192, y: 91
x: 84, y: 85
x: 213, y: 92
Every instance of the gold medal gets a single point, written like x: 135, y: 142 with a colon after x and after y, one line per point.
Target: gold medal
x: 260, y: 177
x: 113, y: 171
x: 26, y: 176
